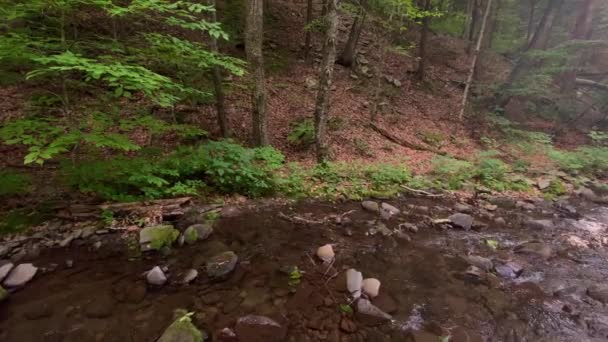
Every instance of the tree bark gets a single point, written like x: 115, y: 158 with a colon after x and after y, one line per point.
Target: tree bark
x: 531, y: 20
x: 308, y: 39
x: 422, y: 45
x: 540, y: 40
x: 474, y: 61
x: 216, y: 75
x: 469, y: 17
x: 254, y: 37
x: 325, y: 80
x: 582, y: 31
x: 349, y: 53
x: 473, y: 27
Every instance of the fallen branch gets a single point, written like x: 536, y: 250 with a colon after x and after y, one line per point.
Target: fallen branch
x: 590, y: 83
x: 421, y: 192
x: 300, y: 220
x: 159, y: 208
x: 404, y: 143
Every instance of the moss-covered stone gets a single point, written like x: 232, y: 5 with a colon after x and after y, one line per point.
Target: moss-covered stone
x: 3, y: 294
x: 158, y: 237
x: 182, y: 330
x: 190, y: 235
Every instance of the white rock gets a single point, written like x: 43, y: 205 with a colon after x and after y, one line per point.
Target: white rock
x: 156, y: 276
x: 354, y: 281
x: 190, y: 275
x: 371, y: 287
x: 5, y: 269
x: 326, y: 253
x: 20, y: 275
x: 391, y: 209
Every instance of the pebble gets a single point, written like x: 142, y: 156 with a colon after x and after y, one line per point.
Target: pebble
x: 326, y: 253
x: 69, y: 263
x: 408, y: 226
x: 347, y: 325
x: 370, y: 206
x: 371, y: 287
x: 190, y: 275
x: 156, y: 276
x: 525, y: 205
x: 20, y: 275
x: 354, y: 282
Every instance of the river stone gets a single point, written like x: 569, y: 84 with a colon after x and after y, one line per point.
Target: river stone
x: 481, y: 262
x: 226, y: 335
x: 182, y: 330
x: 229, y: 211
x: 4, y: 250
x: 387, y: 211
x: 220, y: 266
x: 525, y: 205
x: 20, y: 275
x: 326, y: 253
x: 190, y: 235
x: 543, y: 183
x: 157, y: 237
x: 203, y: 230
x: 535, y: 248
x: 3, y: 294
x: 5, y: 268
x: 505, y: 271
x: 598, y: 292
x: 461, y: 220
x: 370, y: 206
x: 371, y: 287
x: 254, y: 328
x: 190, y: 275
x: 369, y: 314
x: 540, y: 224
x: 156, y: 276
x: 463, y: 208
x: 354, y: 282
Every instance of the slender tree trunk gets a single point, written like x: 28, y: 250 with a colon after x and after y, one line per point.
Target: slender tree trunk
x: 325, y: 80
x: 422, y: 45
x: 347, y: 57
x: 495, y: 23
x: 308, y: 39
x: 473, y: 27
x: 216, y: 76
x: 582, y: 31
x: 254, y: 36
x: 474, y: 61
x: 531, y: 20
x: 469, y: 17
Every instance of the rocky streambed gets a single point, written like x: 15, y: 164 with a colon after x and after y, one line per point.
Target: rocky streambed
x: 412, y: 269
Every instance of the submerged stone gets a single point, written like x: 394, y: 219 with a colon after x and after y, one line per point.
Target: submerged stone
x: 221, y: 265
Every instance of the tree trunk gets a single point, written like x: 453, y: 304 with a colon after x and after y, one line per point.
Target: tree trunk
x: 474, y: 62
x: 540, y: 40
x: 216, y: 75
x: 468, y: 19
x: 495, y: 23
x: 308, y: 39
x: 325, y: 80
x: 582, y: 31
x: 349, y: 53
x: 531, y: 20
x: 473, y: 27
x: 422, y: 45
x: 254, y: 36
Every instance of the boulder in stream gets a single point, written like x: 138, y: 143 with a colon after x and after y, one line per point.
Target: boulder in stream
x: 157, y: 237
x: 190, y: 235
x: 182, y: 330
x: 156, y: 276
x: 221, y: 265
x: 253, y: 328
x: 460, y: 220
x: 203, y: 230
x: 20, y: 275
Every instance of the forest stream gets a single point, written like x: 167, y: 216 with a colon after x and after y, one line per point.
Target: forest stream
x: 525, y: 271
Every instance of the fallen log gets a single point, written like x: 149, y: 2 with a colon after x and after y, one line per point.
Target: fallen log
x: 590, y: 83
x: 163, y: 208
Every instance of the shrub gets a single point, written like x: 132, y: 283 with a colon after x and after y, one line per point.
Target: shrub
x: 13, y: 183
x: 584, y: 160
x: 302, y: 134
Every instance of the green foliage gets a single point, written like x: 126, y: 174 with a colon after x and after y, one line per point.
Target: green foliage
x: 302, y: 133
x: 19, y: 220
x: 295, y: 277
x: 584, y: 160
x: 451, y: 24
x: 107, y: 216
x: 222, y: 166
x: 163, y: 237
x: 599, y: 137
x: 13, y: 183
x: 556, y: 188
x: 345, y: 309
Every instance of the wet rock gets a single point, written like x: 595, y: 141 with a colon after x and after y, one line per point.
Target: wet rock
x: 387, y: 211
x: 5, y: 268
x: 88, y: 232
x: 66, y: 242
x: 4, y: 250
x: 221, y: 265
x: 505, y: 271
x: 409, y: 227
x: 370, y: 206
x: 203, y: 230
x: 463, y: 208
x: 385, y: 303
x: 540, y: 224
x: 326, y: 253
x: 190, y: 235
x: 347, y: 325
x: 254, y: 328
x: 157, y: 237
x: 525, y: 205
x: 463, y: 221
x: 100, y: 307
x: 20, y: 275
x: 369, y: 314
x: 381, y: 228
x: 3, y: 294
x: 371, y: 287
x: 598, y: 292
x: 543, y: 183
x: 500, y: 220
x: 230, y: 211
x: 190, y: 275
x: 399, y: 234
x: 474, y: 273
x: 354, y: 282
x: 156, y: 276
x: 182, y: 330
x: 226, y: 335
x: 535, y: 248
x: 481, y: 262
x: 576, y: 242
x: 588, y: 194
